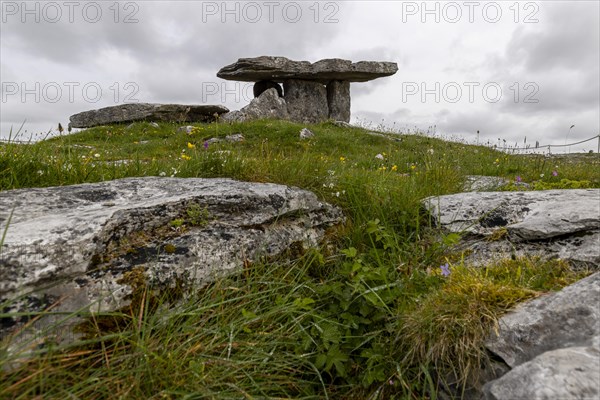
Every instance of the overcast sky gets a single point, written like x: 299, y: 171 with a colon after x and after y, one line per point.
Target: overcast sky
x: 515, y: 71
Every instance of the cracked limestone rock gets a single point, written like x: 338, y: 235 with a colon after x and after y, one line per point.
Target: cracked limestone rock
x: 547, y: 223
x: 70, y: 247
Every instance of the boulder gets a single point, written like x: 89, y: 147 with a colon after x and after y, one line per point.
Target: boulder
x: 306, y: 133
x: 571, y: 373
x: 338, y: 98
x: 73, y: 248
x: 133, y: 112
x: 552, y: 344
x: 280, y: 69
x: 549, y: 223
x: 567, y: 318
x: 266, y: 106
x: 306, y: 101
x: 186, y: 129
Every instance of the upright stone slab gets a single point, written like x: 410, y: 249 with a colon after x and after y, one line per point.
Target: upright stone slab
x: 338, y: 99
x: 306, y: 101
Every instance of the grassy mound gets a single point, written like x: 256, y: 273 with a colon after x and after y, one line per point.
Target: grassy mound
x: 384, y: 310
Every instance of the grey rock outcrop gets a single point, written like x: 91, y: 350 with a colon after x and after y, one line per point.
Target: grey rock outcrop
x: 266, y: 106
x: 314, y: 92
x: 481, y: 183
x: 306, y: 133
x: 552, y: 344
x: 185, y: 129
x: 571, y: 373
x: 279, y: 69
x: 71, y: 247
x: 133, y: 112
x: 549, y: 223
x: 306, y: 101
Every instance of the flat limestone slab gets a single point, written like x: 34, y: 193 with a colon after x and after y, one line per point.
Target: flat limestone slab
x: 553, y: 345
x: 533, y: 215
x: 545, y: 223
x: 567, y: 318
x: 71, y: 247
x: 133, y: 112
x: 279, y: 69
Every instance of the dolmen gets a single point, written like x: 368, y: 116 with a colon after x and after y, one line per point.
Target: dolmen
x: 135, y: 112
x: 311, y: 93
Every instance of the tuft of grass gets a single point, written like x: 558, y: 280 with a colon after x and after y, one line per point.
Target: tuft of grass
x: 447, y: 328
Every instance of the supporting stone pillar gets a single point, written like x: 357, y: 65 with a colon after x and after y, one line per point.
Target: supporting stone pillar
x: 338, y: 99
x: 306, y: 101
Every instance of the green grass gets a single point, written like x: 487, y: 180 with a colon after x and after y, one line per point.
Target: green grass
x: 367, y: 316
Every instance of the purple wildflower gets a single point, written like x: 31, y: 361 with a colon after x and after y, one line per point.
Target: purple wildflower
x: 445, y: 269
x: 554, y: 173
x: 518, y: 178
x: 206, y: 144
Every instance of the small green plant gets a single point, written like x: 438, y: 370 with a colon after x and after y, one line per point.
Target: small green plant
x: 562, y: 184
x: 351, y: 314
x: 198, y: 215
x: 497, y: 234
x: 177, y: 223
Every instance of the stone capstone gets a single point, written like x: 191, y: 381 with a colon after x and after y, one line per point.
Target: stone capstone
x: 548, y: 223
x: 552, y: 344
x: 70, y: 247
x: 280, y: 69
x: 306, y: 101
x: 133, y: 112
x: 266, y: 106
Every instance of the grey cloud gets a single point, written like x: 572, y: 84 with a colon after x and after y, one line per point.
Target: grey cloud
x: 567, y: 37
x: 560, y: 55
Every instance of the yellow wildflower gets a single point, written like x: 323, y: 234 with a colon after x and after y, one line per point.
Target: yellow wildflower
x: 191, y: 146
x: 185, y: 157
x: 394, y: 168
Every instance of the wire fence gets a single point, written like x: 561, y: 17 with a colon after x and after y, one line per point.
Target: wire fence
x: 7, y: 141
x: 549, y: 147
